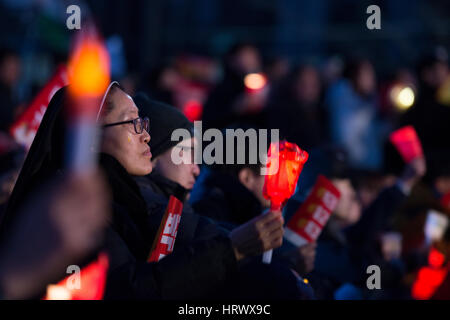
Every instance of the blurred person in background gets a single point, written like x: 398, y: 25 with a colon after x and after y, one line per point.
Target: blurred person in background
x: 352, y: 115
x: 427, y: 195
x: 277, y: 69
x: 230, y: 101
x: 160, y: 83
x: 430, y: 115
x: 296, y: 108
x: 10, y: 68
x: 350, y: 240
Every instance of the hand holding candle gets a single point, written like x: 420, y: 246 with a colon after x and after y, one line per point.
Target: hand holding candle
x: 286, y: 161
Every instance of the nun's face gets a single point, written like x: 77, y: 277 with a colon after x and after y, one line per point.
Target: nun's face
x: 121, y: 141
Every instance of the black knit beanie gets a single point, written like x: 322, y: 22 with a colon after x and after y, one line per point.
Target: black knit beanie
x: 164, y: 119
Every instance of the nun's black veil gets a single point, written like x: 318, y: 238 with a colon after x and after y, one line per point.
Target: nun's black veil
x: 44, y: 159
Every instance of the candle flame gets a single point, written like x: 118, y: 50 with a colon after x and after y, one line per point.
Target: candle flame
x: 89, y: 67
x: 255, y: 81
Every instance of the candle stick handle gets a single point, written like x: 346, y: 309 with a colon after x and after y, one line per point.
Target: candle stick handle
x: 267, y: 256
x: 275, y: 206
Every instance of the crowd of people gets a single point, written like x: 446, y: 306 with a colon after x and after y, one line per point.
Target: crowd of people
x: 51, y: 217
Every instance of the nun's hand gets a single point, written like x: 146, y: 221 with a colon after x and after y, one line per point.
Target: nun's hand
x: 260, y: 234
x: 79, y: 210
x: 57, y: 227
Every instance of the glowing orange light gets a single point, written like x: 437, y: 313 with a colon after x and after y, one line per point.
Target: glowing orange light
x: 58, y: 292
x: 255, y: 81
x: 92, y: 283
x: 89, y: 68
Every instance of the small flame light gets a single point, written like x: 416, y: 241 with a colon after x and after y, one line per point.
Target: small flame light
x: 402, y: 97
x: 89, y: 68
x: 255, y: 81
x: 58, y: 292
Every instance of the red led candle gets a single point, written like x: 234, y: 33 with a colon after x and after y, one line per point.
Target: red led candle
x: 92, y: 283
x: 88, y: 70
x: 407, y: 143
x: 285, y: 164
x: 284, y: 167
x: 430, y: 278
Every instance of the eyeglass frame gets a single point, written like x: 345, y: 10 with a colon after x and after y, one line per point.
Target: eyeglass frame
x: 145, y: 119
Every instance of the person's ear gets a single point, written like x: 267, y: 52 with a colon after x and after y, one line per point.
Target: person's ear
x: 245, y: 176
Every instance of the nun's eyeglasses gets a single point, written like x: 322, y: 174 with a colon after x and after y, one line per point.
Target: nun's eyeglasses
x: 140, y: 124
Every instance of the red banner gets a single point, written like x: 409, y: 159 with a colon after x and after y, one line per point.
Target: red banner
x: 167, y: 233
x: 26, y: 126
x: 310, y: 218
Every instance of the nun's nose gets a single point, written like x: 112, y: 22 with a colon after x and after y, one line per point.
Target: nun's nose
x: 146, y: 136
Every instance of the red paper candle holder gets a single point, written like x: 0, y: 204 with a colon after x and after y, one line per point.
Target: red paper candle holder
x: 407, y: 143
x: 284, y: 167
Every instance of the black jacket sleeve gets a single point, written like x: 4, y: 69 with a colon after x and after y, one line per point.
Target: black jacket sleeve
x: 203, y: 260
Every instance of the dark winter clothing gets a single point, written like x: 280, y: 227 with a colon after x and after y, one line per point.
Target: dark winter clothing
x: 182, y: 274
x: 301, y: 123
x: 218, y: 111
x: 254, y: 279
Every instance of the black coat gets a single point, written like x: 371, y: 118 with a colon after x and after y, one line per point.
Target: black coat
x: 202, y: 260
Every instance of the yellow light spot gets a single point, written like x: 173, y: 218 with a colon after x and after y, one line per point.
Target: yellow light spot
x: 255, y: 81
x: 305, y: 280
x: 402, y: 97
